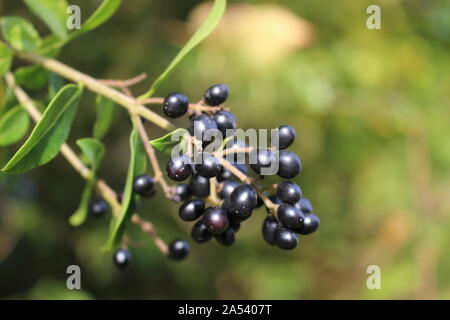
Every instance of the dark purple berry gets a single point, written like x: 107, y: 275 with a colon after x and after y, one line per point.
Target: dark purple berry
x: 144, y: 185
x: 268, y: 229
x: 225, y: 174
x: 285, y: 135
x: 182, y: 192
x: 200, y: 232
x: 235, y: 225
x: 289, y: 192
x: 225, y: 120
x: 216, y: 220
x: 208, y: 165
x: 202, y: 126
x: 261, y: 159
x: 200, y: 186
x: 191, y: 210
x: 175, y: 105
x: 227, y: 237
x: 284, y: 238
x: 242, y: 201
x: 310, y: 224
x: 227, y: 187
x: 98, y: 208
x: 232, y: 215
x: 289, y: 164
x: 215, y: 95
x: 178, y: 250
x: 121, y: 258
x: 290, y: 216
x: 179, y: 168
x: 305, y: 205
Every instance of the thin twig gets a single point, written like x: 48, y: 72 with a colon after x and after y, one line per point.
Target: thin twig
x: 192, y: 106
x: 124, y: 83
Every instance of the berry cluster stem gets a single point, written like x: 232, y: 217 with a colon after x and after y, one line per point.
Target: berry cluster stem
x: 192, y: 106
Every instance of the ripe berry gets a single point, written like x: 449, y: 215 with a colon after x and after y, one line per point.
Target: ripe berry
x: 227, y: 237
x: 268, y: 229
x: 261, y: 158
x: 234, y: 217
x: 275, y: 200
x: 182, y: 192
x: 227, y: 187
x: 243, y: 200
x: 200, y: 186
x: 289, y: 192
x: 235, y: 225
x: 290, y: 216
x: 310, y: 224
x: 285, y: 136
x: 200, y: 232
x: 175, y: 105
x: 200, y: 124
x: 209, y: 166
x: 305, y: 205
x: 179, y: 168
x: 121, y: 258
x: 215, y: 95
x: 98, y: 207
x: 178, y: 250
x: 216, y: 220
x: 289, y: 164
x: 144, y: 185
x: 191, y: 210
x: 225, y: 120
x: 225, y: 174
x: 284, y: 238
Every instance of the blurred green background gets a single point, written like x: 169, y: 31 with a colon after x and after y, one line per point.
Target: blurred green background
x: 371, y: 110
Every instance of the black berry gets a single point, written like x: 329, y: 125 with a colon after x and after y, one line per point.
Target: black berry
x: 179, y: 168
x: 242, y: 201
x: 200, y: 125
x: 200, y: 186
x: 182, y: 192
x: 175, y: 105
x: 178, y: 250
x: 290, y: 216
x: 216, y: 220
x: 215, y: 95
x: 121, y: 258
x: 310, y: 224
x: 235, y: 225
x: 200, y: 232
x: 261, y: 158
x: 227, y: 237
x: 289, y: 192
x: 284, y: 238
x: 144, y: 185
x: 191, y: 210
x: 225, y: 120
x: 289, y: 164
x: 305, y: 205
x: 226, y: 205
x: 227, y: 187
x: 209, y: 166
x: 268, y: 229
x: 285, y: 136
x: 98, y: 208
x: 225, y: 174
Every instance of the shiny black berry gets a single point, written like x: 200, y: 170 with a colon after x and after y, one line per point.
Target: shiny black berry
x: 310, y: 224
x: 285, y: 136
x: 290, y: 216
x: 175, y: 105
x: 191, y: 210
x: 305, y: 205
x: 208, y: 165
x: 216, y: 220
x: 284, y: 238
x: 268, y: 229
x: 289, y: 192
x: 98, y: 208
x: 225, y: 120
x: 182, y: 192
x: 122, y: 258
x: 227, y: 187
x: 243, y: 200
x: 215, y: 95
x: 200, y: 232
x: 225, y: 174
x: 227, y: 237
x: 289, y: 164
x: 202, y: 127
x: 178, y: 250
x: 261, y: 159
x: 234, y: 217
x: 179, y: 168
x: 144, y: 185
x: 200, y: 186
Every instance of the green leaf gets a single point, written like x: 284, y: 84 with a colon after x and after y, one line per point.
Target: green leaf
x: 55, y: 83
x: 169, y: 141
x: 31, y: 77
x: 49, y: 134
x: 205, y: 29
x: 101, y: 15
x: 105, y: 114
x: 13, y: 126
x: 20, y: 34
x: 94, y: 152
x: 52, y: 12
x: 6, y: 56
x: 136, y: 167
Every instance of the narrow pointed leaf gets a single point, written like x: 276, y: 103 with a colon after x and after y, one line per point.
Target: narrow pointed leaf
x: 31, y: 77
x: 167, y: 142
x: 49, y: 134
x: 93, y: 150
x: 6, y: 56
x: 20, y: 34
x: 205, y: 29
x: 105, y: 109
x: 52, y: 13
x: 55, y: 83
x: 13, y: 126
x: 79, y: 216
x: 101, y: 15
